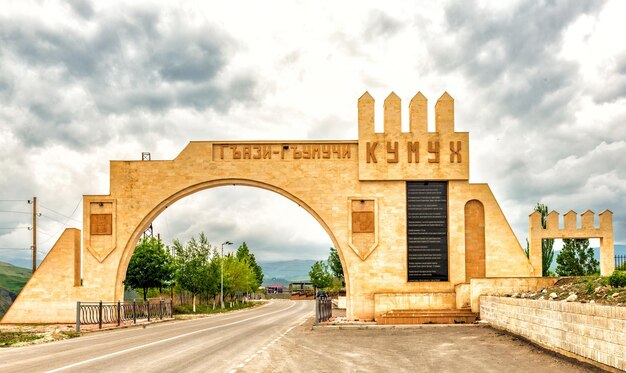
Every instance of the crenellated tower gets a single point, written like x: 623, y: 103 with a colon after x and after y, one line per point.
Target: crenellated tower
x: 570, y: 229
x: 417, y: 154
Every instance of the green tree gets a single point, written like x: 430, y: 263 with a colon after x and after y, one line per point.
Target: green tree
x: 238, y: 276
x: 320, y: 276
x: 576, y: 258
x: 335, y: 264
x: 244, y: 255
x: 193, y: 269
x: 547, y: 245
x: 150, y: 266
x: 213, y: 270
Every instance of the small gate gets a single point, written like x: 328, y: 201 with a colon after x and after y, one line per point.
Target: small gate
x: 323, y: 309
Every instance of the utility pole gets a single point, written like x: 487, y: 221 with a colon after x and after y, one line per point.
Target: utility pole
x: 34, y: 234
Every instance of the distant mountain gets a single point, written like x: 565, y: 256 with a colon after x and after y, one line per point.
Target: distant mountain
x: 288, y: 270
x: 6, y: 298
x: 13, y: 278
x: 275, y: 281
x: 20, y: 262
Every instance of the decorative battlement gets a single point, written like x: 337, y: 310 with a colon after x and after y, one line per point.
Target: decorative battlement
x: 570, y: 224
x: 417, y: 154
x: 570, y: 229
x: 418, y: 114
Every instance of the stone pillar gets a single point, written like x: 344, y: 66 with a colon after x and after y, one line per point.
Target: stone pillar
x: 607, y: 249
x: 534, y: 240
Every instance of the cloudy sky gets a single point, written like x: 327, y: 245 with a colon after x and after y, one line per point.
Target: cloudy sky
x: 540, y: 86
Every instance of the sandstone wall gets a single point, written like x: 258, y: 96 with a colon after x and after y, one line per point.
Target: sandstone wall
x: 592, y: 331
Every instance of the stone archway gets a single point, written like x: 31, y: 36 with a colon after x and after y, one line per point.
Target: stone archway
x: 134, y: 237
x: 393, y: 203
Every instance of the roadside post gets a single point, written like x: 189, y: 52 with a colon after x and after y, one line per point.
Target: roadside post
x: 78, y: 317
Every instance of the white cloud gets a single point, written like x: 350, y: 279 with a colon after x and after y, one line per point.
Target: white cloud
x: 540, y: 86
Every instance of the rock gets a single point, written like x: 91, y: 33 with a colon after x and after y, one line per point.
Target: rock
x: 615, y: 295
x: 598, y: 289
x: 592, y: 301
x: 523, y: 295
x: 572, y: 298
x: 544, y: 291
x: 542, y: 297
x: 553, y: 295
x: 515, y: 295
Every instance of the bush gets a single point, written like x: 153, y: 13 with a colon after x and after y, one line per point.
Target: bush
x: 618, y: 279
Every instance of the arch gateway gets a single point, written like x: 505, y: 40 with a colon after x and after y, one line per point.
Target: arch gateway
x: 411, y: 231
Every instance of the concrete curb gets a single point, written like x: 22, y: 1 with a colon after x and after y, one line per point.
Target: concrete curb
x: 403, y: 326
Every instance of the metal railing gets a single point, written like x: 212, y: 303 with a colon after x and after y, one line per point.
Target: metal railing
x: 323, y: 309
x: 620, y: 262
x: 119, y: 312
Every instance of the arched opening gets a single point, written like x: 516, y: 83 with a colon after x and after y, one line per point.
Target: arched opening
x: 474, y: 240
x: 163, y: 205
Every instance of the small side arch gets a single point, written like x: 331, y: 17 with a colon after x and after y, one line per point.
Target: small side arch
x: 474, y: 240
x: 160, y: 207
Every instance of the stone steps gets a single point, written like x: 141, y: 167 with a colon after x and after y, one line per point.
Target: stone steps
x: 429, y: 316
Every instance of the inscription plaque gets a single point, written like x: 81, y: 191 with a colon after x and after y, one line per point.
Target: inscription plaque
x: 427, y: 230
x: 363, y: 222
x: 101, y: 224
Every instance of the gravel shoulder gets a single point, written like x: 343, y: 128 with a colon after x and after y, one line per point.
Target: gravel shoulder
x: 453, y: 348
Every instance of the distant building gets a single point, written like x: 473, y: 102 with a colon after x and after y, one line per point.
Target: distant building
x: 301, y: 288
x: 275, y: 289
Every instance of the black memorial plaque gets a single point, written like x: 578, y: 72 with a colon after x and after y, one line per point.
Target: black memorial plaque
x: 427, y: 230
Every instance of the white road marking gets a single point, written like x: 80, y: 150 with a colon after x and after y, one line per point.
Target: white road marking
x: 163, y: 340
x: 249, y: 359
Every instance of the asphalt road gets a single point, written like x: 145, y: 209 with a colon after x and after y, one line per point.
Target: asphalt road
x: 220, y: 343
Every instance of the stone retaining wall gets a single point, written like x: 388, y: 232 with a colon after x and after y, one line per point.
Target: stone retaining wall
x: 595, y: 332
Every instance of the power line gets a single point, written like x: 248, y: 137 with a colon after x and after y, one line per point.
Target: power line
x: 16, y: 212
x: 58, y: 213
x: 51, y: 218
x: 44, y: 232
x: 65, y: 224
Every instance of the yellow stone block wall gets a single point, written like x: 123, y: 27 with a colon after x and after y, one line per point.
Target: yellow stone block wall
x: 593, y: 333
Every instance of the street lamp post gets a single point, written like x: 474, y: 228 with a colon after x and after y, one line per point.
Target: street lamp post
x: 222, y: 275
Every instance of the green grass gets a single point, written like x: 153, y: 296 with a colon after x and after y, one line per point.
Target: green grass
x: 70, y: 334
x: 9, y: 338
x: 13, y: 278
x: 187, y: 309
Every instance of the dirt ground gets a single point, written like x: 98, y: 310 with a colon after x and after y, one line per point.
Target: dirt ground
x: 446, y: 348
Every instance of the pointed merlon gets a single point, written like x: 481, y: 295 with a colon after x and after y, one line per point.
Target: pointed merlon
x: 444, y: 114
x: 552, y: 220
x: 588, y: 220
x: 570, y: 219
x: 534, y: 220
x: 606, y: 220
x: 366, y: 97
x: 418, y: 114
x: 393, y: 117
x: 366, y: 115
